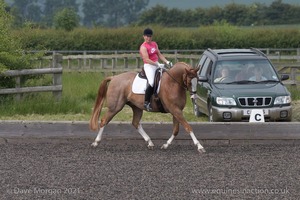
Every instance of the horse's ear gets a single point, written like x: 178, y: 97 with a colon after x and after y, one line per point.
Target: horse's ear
x: 187, y: 71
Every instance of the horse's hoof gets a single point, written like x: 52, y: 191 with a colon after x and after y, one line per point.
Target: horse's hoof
x: 202, y: 150
x: 94, y: 144
x: 164, y: 146
x: 150, y: 147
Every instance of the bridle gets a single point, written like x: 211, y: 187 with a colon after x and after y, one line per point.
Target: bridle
x: 185, y: 81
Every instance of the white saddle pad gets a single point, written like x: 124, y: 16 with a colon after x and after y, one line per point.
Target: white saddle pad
x: 139, y: 85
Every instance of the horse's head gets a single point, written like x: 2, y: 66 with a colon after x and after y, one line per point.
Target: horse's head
x: 189, y: 75
x: 183, y: 74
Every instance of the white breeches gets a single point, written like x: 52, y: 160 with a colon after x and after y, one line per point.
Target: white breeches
x: 150, y: 72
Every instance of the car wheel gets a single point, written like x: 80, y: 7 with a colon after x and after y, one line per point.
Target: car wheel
x: 197, y: 112
x: 210, y: 113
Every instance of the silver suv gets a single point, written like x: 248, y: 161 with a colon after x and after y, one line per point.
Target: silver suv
x: 233, y: 82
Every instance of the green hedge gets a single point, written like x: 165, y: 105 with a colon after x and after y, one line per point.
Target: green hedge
x: 130, y: 38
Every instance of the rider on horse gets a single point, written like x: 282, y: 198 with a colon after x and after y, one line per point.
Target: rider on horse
x: 150, y: 55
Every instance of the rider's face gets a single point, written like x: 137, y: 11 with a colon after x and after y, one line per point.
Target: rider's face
x: 148, y: 38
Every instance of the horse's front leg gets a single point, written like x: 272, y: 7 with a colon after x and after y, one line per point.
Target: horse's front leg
x: 188, y: 128
x: 137, y: 115
x: 174, y: 134
x: 145, y: 136
x: 197, y: 143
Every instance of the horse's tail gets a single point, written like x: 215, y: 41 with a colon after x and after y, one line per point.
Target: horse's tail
x: 99, y: 103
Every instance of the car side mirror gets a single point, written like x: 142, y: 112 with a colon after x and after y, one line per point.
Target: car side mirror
x: 202, y: 79
x: 285, y: 77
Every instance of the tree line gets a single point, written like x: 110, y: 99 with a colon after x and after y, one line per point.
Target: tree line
x: 69, y: 14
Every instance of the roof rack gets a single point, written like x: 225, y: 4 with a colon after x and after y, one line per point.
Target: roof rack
x: 212, y: 51
x: 258, y: 51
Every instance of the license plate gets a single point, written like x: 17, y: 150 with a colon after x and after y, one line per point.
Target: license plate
x: 248, y: 112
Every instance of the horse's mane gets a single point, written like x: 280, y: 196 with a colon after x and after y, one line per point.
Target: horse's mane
x: 181, y: 66
x: 185, y: 64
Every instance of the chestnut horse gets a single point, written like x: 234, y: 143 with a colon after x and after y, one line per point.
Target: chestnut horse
x: 117, y: 90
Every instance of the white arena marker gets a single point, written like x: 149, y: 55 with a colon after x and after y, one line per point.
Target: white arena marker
x: 257, y: 115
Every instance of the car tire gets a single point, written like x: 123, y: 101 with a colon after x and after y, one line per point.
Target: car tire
x: 197, y: 112
x: 210, y: 113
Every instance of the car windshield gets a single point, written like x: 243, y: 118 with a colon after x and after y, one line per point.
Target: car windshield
x: 244, y: 72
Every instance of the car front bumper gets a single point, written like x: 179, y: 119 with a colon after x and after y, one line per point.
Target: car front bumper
x: 238, y: 114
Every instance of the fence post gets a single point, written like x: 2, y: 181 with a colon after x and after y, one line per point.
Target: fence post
x: 114, y: 61
x: 293, y: 76
x: 57, y: 78
x: 18, y: 96
x: 126, y: 62
x: 138, y: 62
x: 84, y: 59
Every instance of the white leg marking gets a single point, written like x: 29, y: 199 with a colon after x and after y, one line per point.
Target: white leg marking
x: 145, y: 136
x: 98, y: 138
x: 165, y: 146
x: 197, y: 143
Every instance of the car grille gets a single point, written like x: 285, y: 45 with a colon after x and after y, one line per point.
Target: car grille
x: 255, y: 101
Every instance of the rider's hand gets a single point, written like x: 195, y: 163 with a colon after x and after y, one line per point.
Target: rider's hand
x: 169, y: 63
x: 161, y: 65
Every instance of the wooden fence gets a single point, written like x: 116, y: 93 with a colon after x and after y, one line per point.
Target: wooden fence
x: 56, y: 87
x: 117, y: 62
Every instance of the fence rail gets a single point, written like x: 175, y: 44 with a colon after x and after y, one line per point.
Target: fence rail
x: 19, y: 90
x: 84, y: 61
x: 286, y: 61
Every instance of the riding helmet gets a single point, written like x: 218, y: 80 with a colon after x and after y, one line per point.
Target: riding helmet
x: 148, y: 31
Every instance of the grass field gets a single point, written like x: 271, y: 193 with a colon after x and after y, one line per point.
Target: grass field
x: 78, y: 97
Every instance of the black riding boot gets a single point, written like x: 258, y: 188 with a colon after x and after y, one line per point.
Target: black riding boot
x: 148, y: 94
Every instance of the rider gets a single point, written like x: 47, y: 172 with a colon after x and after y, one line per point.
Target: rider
x: 150, y: 55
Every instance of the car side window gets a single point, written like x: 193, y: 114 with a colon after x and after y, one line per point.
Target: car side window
x: 202, y: 60
x: 206, y: 68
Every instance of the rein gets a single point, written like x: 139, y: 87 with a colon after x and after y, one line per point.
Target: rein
x: 184, y: 86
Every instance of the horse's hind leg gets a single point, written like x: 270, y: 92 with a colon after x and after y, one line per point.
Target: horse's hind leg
x: 175, y: 133
x: 105, y: 120
x: 137, y: 115
x: 98, y: 138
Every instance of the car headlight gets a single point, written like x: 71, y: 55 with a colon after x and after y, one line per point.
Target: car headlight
x: 226, y: 101
x: 282, y: 100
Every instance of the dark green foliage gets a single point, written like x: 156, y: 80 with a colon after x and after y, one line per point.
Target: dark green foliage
x: 112, y: 13
x: 66, y: 19
x: 12, y: 55
x: 119, y: 13
x: 277, y: 12
x: 220, y: 35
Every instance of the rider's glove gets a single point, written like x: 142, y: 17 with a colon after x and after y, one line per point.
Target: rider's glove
x: 161, y: 65
x: 169, y: 63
